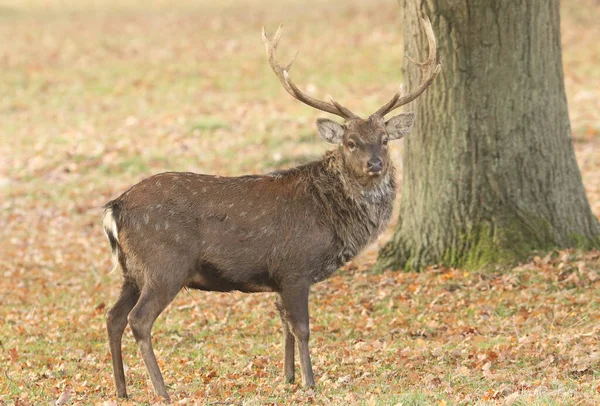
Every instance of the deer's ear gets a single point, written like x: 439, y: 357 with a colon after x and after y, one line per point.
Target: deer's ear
x: 400, y: 125
x: 330, y: 130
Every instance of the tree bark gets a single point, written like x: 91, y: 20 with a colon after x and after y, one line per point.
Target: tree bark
x: 490, y: 173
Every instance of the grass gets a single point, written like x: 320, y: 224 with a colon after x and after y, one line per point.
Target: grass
x: 98, y: 95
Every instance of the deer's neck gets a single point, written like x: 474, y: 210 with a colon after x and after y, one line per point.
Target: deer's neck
x: 357, y: 213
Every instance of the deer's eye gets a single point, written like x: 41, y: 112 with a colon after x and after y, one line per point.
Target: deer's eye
x: 385, y: 141
x: 351, y: 145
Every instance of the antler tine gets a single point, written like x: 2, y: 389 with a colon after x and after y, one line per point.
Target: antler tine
x: 271, y: 47
x: 429, y: 70
x: 291, y: 88
x: 342, y: 109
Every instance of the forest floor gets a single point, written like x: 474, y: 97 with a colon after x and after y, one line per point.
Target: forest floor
x: 95, y: 96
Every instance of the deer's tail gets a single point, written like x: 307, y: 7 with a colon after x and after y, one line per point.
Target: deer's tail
x: 110, y: 229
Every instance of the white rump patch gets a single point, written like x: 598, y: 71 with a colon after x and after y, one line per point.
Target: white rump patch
x: 110, y: 227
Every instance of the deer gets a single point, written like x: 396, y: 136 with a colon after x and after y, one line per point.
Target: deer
x: 279, y: 232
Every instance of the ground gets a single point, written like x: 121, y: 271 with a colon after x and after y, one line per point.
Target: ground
x: 96, y: 97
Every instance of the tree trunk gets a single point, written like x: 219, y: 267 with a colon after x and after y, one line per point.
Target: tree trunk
x: 489, y: 169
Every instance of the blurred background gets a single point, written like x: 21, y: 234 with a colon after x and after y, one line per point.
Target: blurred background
x: 97, y: 95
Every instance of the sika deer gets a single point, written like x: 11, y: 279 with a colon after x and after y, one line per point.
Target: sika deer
x: 280, y: 232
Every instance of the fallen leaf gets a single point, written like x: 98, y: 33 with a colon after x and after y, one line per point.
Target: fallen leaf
x: 64, y: 397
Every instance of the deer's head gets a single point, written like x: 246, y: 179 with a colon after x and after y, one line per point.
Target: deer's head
x: 363, y: 142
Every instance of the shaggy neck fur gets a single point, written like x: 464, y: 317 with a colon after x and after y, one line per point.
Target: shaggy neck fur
x: 356, y: 213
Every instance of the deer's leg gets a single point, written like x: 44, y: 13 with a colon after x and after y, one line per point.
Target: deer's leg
x: 295, y: 305
x: 289, y: 343
x: 153, y: 300
x: 116, y: 321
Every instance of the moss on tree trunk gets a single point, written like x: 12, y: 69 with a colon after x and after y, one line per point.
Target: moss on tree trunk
x: 489, y: 169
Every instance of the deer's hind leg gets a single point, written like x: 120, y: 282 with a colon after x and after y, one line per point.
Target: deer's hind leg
x: 155, y: 297
x: 116, y: 321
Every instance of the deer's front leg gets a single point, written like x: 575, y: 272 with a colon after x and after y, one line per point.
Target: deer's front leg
x: 295, y: 311
x: 289, y: 343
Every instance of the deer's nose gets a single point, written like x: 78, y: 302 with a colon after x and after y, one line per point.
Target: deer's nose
x: 374, y: 165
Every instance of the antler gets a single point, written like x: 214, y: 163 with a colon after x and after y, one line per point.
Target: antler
x: 429, y: 70
x: 290, y: 87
